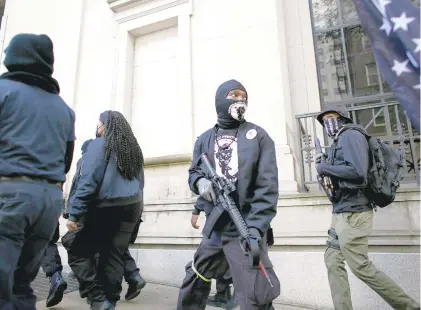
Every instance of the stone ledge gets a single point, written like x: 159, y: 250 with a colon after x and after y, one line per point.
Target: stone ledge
x: 168, y: 160
x: 313, y: 199
x: 320, y: 240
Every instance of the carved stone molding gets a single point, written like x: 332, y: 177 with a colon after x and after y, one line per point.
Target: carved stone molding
x: 146, y: 6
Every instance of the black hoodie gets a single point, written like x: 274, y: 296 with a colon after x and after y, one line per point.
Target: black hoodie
x: 30, y: 60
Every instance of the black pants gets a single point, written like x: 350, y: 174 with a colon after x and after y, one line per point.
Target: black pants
x: 212, y: 260
x: 51, y: 263
x: 29, y: 212
x: 105, y: 231
x: 130, y: 267
x: 223, y: 284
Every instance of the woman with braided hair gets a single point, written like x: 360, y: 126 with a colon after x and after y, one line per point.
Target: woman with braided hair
x: 104, y: 210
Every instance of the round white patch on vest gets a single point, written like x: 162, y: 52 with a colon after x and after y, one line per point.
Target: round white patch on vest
x: 251, y: 134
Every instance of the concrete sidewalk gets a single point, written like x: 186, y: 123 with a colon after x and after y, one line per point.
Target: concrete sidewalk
x: 153, y: 297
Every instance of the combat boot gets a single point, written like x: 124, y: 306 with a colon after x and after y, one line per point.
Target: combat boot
x: 222, y: 300
x: 57, y: 288
x: 136, y: 284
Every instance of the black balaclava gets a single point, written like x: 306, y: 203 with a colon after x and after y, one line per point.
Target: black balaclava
x: 30, y: 60
x: 228, y: 110
x: 333, y: 125
x: 103, y: 117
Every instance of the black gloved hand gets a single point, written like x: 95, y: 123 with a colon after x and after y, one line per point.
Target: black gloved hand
x: 321, y: 157
x: 206, y: 190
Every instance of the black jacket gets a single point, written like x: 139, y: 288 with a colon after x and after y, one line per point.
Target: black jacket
x: 257, y: 185
x: 101, y: 184
x: 347, y: 165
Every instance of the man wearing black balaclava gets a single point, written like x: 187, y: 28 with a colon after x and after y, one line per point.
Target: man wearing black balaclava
x: 36, y: 148
x: 244, y: 154
x: 352, y: 215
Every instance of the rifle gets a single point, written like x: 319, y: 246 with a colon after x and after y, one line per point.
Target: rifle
x: 224, y: 188
x: 324, y: 181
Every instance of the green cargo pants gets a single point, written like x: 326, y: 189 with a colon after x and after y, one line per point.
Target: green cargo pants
x: 348, y: 241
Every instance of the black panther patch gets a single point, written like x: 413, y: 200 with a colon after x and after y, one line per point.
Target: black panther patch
x: 226, y: 156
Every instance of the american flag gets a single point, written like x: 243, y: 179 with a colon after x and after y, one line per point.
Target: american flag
x: 393, y: 28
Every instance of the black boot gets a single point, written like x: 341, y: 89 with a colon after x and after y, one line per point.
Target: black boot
x: 102, y: 305
x: 136, y: 284
x: 57, y: 288
x: 220, y: 299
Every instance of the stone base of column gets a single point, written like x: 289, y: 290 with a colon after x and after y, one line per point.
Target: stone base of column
x: 286, y: 170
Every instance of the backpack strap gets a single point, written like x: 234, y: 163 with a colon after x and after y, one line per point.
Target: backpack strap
x: 352, y: 127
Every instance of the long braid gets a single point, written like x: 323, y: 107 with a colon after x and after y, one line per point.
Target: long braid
x: 120, y: 140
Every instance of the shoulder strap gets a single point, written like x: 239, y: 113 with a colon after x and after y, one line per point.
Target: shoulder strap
x: 348, y: 127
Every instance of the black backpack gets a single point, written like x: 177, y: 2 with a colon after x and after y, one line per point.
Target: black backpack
x: 384, y: 173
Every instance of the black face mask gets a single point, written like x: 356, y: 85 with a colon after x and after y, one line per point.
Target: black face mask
x: 96, y: 132
x: 230, y: 112
x: 333, y: 125
x: 237, y: 109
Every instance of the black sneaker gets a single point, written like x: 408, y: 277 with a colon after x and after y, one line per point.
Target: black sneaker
x: 57, y: 288
x: 136, y: 284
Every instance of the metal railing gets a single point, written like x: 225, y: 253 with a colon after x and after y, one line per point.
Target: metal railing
x: 385, y: 121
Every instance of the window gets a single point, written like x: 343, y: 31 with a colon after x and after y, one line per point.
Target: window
x: 347, y: 54
x: 365, y: 42
x: 371, y: 73
x: 379, y: 120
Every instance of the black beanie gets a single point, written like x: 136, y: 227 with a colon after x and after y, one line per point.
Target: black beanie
x: 30, y: 53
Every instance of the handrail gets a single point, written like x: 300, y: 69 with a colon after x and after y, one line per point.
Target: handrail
x: 385, y: 121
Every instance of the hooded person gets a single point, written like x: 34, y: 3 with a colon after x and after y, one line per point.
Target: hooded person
x: 37, y: 137
x: 244, y: 154
x: 347, y: 166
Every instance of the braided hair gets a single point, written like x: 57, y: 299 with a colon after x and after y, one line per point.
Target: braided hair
x: 120, y: 140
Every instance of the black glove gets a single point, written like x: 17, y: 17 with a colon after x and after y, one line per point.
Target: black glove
x: 321, y: 157
x: 206, y: 190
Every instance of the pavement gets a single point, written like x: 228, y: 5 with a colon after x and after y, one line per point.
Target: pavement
x: 152, y: 297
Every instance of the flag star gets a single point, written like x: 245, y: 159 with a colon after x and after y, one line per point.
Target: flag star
x: 402, y: 22
x: 417, y: 42
x: 400, y: 67
x: 387, y: 26
x: 383, y: 4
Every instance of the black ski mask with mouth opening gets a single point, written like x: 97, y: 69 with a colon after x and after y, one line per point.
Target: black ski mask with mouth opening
x: 226, y: 108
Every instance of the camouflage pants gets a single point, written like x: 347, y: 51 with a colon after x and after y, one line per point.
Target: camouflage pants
x: 348, y: 241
